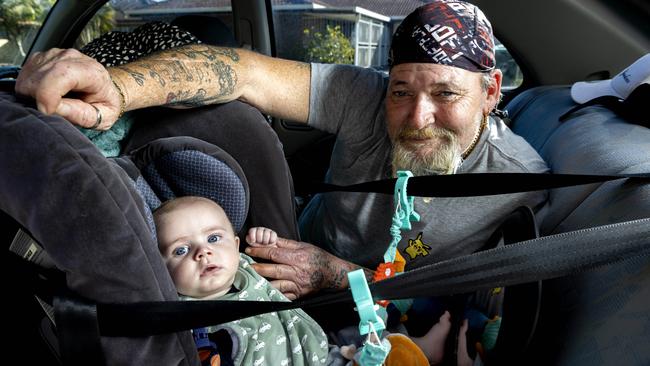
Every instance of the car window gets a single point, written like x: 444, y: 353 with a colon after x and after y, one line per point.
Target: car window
x: 126, y: 15
x: 353, y: 32
x: 19, y: 24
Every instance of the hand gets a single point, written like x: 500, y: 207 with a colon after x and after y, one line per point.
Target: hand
x: 300, y: 268
x: 261, y: 235
x: 49, y: 76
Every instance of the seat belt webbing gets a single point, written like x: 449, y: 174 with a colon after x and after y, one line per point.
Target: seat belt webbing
x: 537, y: 259
x: 477, y: 184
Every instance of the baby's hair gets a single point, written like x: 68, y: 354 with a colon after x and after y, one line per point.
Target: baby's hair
x: 174, y: 203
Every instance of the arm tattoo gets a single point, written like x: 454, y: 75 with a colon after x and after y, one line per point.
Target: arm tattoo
x: 336, y: 277
x: 208, y: 53
x: 203, y: 66
x: 227, y: 77
x: 137, y: 76
x: 185, y: 99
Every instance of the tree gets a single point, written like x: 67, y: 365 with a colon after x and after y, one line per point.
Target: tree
x: 332, y: 47
x: 19, y: 17
x: 102, y: 22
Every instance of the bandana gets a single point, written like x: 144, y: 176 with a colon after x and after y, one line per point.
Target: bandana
x: 446, y: 32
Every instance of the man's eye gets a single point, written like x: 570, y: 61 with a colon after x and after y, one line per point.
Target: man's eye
x: 180, y: 251
x: 214, y: 238
x: 446, y: 94
x: 400, y: 93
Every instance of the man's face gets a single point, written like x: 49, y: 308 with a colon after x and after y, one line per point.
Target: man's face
x: 433, y: 113
x: 199, y: 248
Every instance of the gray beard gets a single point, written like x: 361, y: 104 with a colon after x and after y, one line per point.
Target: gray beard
x: 445, y: 160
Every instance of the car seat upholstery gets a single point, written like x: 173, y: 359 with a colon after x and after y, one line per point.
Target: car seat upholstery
x: 600, y: 317
x: 86, y: 213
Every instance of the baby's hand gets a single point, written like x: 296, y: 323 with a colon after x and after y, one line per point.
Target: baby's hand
x: 261, y: 235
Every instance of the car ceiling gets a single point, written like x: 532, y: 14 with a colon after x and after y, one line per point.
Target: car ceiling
x: 566, y: 40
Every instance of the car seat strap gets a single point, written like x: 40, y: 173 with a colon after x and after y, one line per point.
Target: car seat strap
x: 78, y: 331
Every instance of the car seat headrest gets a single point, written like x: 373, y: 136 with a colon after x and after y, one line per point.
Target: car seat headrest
x: 207, y: 29
x: 184, y: 166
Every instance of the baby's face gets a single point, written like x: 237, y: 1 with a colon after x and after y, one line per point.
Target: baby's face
x: 200, y: 249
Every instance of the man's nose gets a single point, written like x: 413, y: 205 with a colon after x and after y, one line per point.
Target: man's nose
x: 422, y: 112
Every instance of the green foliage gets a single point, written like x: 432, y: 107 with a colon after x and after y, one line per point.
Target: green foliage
x: 102, y: 22
x: 331, y: 47
x: 19, y: 17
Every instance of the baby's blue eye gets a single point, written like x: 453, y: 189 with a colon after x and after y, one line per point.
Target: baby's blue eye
x: 181, y: 250
x: 214, y: 238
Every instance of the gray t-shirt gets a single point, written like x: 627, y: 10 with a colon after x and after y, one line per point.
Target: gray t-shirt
x: 349, y: 102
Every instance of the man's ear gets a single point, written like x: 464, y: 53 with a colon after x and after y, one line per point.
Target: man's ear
x: 493, y: 91
x: 237, y: 241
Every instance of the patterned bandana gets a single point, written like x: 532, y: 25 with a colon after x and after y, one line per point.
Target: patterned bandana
x: 446, y: 32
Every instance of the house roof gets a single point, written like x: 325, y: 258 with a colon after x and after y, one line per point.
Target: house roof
x: 389, y: 8
x: 384, y: 7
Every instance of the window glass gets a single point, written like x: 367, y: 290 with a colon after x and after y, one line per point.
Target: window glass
x: 126, y: 15
x: 19, y: 23
x: 512, y: 76
x: 353, y: 32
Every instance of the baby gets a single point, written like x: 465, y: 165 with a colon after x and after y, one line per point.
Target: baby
x: 201, y: 251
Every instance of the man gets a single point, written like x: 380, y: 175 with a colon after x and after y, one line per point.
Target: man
x: 431, y: 116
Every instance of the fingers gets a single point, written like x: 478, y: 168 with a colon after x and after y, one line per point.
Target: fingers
x: 288, y: 288
x: 261, y: 235
x: 278, y: 253
x: 275, y: 271
x: 51, y: 75
x: 45, y: 76
x: 290, y: 244
x: 83, y: 114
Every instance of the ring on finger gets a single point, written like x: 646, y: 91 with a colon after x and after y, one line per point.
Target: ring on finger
x: 99, y: 118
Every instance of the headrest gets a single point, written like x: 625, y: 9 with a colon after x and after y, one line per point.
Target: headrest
x: 184, y: 166
x: 207, y: 29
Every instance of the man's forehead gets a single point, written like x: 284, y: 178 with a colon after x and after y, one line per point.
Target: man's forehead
x: 426, y: 73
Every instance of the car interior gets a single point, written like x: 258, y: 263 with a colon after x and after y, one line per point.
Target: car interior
x: 598, y: 317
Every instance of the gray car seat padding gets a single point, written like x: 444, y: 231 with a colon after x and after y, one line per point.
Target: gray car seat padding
x: 600, y: 317
x: 184, y: 166
x: 86, y: 212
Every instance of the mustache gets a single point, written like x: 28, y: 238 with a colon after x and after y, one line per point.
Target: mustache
x: 428, y: 132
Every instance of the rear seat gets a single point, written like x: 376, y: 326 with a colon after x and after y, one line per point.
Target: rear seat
x: 602, y: 316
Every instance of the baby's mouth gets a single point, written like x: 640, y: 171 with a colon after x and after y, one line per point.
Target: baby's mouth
x: 209, y: 269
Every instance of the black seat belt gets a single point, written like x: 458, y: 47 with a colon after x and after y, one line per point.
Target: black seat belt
x: 532, y: 260
x: 464, y: 185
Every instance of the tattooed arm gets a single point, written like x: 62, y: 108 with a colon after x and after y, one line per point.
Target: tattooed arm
x: 184, y: 77
x: 300, y: 268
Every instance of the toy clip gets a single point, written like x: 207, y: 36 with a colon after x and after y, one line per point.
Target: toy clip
x: 365, y: 305
x: 403, y: 202
x: 404, y: 214
x: 375, y: 350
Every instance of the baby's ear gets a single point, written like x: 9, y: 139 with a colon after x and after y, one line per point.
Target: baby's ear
x: 237, y: 241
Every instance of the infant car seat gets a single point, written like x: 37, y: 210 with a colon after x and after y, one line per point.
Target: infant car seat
x: 92, y: 215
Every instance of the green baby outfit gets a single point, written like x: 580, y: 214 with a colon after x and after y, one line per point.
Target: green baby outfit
x: 288, y: 337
